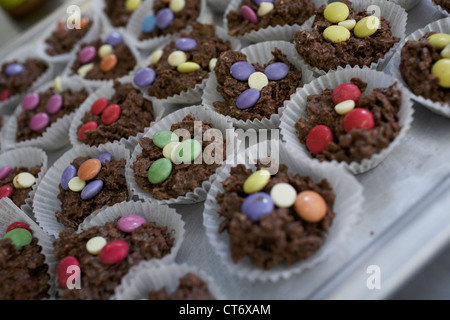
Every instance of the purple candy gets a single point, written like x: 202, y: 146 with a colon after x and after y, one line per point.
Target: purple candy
x: 248, y: 14
x: 144, y: 77
x: 92, y: 189
x: 87, y: 54
x: 114, y: 38
x: 241, y: 70
x: 14, y: 69
x: 276, y: 71
x: 30, y: 101
x: 248, y: 98
x: 186, y: 44
x: 164, y: 18
x: 104, y: 157
x: 258, y: 2
x: 130, y: 222
x: 257, y: 205
x: 39, y: 121
x: 4, y: 172
x: 68, y: 173
x: 54, y: 104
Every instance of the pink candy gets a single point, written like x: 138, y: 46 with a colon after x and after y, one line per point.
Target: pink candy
x: 4, y: 172
x: 87, y: 54
x: 30, y: 101
x: 39, y: 121
x: 249, y: 15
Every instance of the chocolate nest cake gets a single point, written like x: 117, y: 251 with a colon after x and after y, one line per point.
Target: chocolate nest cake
x: 117, y: 13
x: 19, y: 195
x: 444, y: 4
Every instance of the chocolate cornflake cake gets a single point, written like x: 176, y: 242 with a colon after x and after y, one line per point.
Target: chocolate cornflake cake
x: 445, y: 4
x: 20, y: 195
x: 117, y: 13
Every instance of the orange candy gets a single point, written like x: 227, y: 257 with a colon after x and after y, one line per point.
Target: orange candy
x: 89, y: 169
x: 310, y: 206
x: 108, y: 62
x: 84, y: 21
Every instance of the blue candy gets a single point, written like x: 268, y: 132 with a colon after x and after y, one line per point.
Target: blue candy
x: 257, y: 205
x: 144, y: 77
x: 185, y: 44
x: 92, y: 189
x: 276, y: 71
x: 248, y: 98
x: 68, y: 173
x: 164, y: 18
x: 149, y: 23
x: 241, y: 70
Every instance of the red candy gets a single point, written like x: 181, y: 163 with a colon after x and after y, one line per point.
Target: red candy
x: 318, y: 139
x: 114, y: 252
x: 111, y: 114
x: 99, y: 105
x: 358, y: 118
x: 344, y: 92
x: 18, y: 225
x: 88, y: 126
x: 5, y: 191
x: 4, y: 96
x: 64, y: 273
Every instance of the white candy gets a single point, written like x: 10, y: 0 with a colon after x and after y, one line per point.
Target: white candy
x: 176, y: 58
x: 84, y: 70
x: 177, y: 5
x: 95, y: 245
x: 349, y: 24
x: 105, y: 50
x: 212, y: 64
x: 58, y: 85
x: 76, y: 184
x: 445, y: 53
x: 265, y: 8
x: 258, y: 80
x: 168, y: 150
x: 283, y: 195
x: 24, y: 180
x: 345, y: 107
x: 156, y: 56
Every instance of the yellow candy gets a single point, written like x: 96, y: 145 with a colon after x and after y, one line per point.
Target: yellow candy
x: 188, y: 67
x: 258, y: 80
x: 156, y: 56
x: 336, y: 34
x: 24, y: 180
x: 212, y: 64
x: 105, y: 50
x: 441, y: 70
x: 349, y: 24
x: 58, y: 85
x: 176, y: 58
x: 257, y: 181
x: 367, y: 26
x: 445, y: 53
x: 132, y: 5
x: 336, y: 12
x: 439, y: 40
x: 84, y: 70
x: 76, y: 184
x: 177, y: 5
x: 265, y: 8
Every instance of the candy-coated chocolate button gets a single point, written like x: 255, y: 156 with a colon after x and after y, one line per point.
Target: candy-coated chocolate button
x: 260, y: 2
x: 188, y: 67
x: 114, y: 252
x: 87, y: 54
x: 212, y: 64
x: 241, y: 70
x: 24, y: 180
x: 310, y: 206
x: 445, y: 53
x: 258, y: 80
x: 349, y: 24
x: 104, y: 157
x: 336, y: 34
x: 58, y: 84
x: 149, y: 23
x: 89, y: 169
x: 177, y: 5
x: 187, y: 151
x: 88, y: 126
x: 65, y: 271
x: 344, y: 92
x: 4, y: 95
x: 54, y: 104
x: 5, y: 171
x: 130, y: 222
x: 92, y: 189
x: 95, y: 245
x: 114, y: 38
x: 276, y: 71
x: 169, y: 148
x: 6, y: 191
x: 176, y: 58
x: 99, y: 105
x: 185, y: 44
x: 248, y: 99
x: 159, y: 171
x: 257, y: 205
x: 358, y: 118
x: 111, y: 114
x: 14, y: 69
x: 283, y: 195
x: 318, y: 139
x: 105, y: 50
x: 85, y: 69
x: 257, y: 181
x: 19, y: 237
x: 156, y: 56
x: 366, y: 27
x: 76, y: 184
x: 163, y: 137
x: 345, y: 107
x: 265, y: 8
x: 19, y: 225
x: 144, y: 77
x: 164, y: 18
x: 441, y: 70
x: 30, y: 101
x: 132, y: 5
x: 248, y: 14
x: 108, y: 63
x: 336, y: 12
x: 39, y: 121
x: 68, y: 174
x: 439, y: 40
x: 84, y: 22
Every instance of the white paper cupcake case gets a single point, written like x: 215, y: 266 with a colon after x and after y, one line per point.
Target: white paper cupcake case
x: 199, y: 113
x: 392, y: 12
x: 46, y: 201
x: 9, y: 214
x: 443, y: 26
x: 92, y: 34
x: 28, y: 157
x: 439, y: 8
x: 108, y: 91
x: 259, y: 53
x: 149, y: 276
x: 134, y: 26
x: 5, y: 120
x: 21, y: 55
x: 347, y: 206
x: 271, y: 33
x: 375, y: 79
x: 407, y: 4
x: 218, y: 6
x: 56, y: 136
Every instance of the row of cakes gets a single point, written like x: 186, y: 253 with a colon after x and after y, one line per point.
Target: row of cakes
x: 284, y: 254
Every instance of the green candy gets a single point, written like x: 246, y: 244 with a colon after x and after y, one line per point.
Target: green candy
x: 187, y: 151
x: 19, y: 237
x: 159, y: 170
x: 163, y: 137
